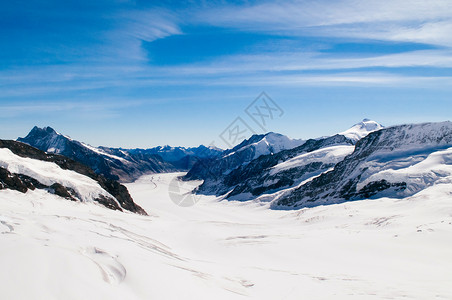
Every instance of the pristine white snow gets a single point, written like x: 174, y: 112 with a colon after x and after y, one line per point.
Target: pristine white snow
x: 101, y: 152
x: 327, y: 155
x: 360, y: 130
x: 419, y: 155
x: 49, y: 173
x: 276, y: 143
x: 380, y: 249
x: 418, y: 170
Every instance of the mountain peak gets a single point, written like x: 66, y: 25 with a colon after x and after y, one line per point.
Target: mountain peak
x: 264, y: 144
x: 361, y: 129
x: 37, y: 131
x: 45, y: 139
x: 49, y: 129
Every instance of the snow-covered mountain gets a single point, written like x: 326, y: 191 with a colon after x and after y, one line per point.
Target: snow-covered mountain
x: 398, y: 161
x: 264, y: 144
x: 24, y: 168
x: 117, y: 163
x: 247, y: 170
x: 248, y: 150
x: 361, y: 129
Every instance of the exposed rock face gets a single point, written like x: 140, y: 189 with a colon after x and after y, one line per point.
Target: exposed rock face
x: 268, y: 163
x: 371, y: 170
x: 62, y: 191
x: 262, y: 175
x: 246, y: 151
x: 238, y: 172
x: 15, y: 182
x: 22, y: 183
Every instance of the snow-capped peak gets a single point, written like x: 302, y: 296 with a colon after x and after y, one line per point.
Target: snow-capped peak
x: 361, y: 129
x: 269, y: 143
x: 278, y: 142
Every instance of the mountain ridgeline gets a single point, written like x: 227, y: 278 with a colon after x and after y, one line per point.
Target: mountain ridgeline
x: 365, y: 161
x: 398, y: 161
x: 120, y: 164
x: 271, y: 162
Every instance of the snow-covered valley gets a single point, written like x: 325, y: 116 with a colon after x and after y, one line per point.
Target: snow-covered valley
x: 370, y: 249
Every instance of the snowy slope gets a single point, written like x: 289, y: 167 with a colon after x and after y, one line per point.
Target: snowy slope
x: 100, y: 151
x: 24, y: 168
x: 272, y: 173
x: 49, y: 173
x: 269, y: 163
x: 416, y: 172
x: 379, y: 249
x: 214, y: 169
x: 396, y: 161
x: 328, y: 155
x: 361, y: 129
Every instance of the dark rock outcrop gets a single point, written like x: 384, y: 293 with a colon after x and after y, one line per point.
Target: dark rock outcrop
x: 381, y: 150
x: 238, y: 172
x: 22, y: 182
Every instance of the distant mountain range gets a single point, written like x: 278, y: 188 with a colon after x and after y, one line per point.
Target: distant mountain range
x: 116, y: 163
x: 365, y: 161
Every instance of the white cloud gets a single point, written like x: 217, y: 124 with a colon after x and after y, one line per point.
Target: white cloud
x: 133, y: 27
x: 312, y: 61
x: 296, y: 14
x: 357, y: 79
x: 437, y: 33
x: 149, y: 25
x: 104, y: 108
x: 271, y: 69
x: 398, y: 20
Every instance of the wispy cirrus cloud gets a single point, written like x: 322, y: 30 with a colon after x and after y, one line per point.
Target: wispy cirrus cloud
x: 284, y: 69
x: 100, y: 109
x: 416, y: 20
x: 314, y: 61
x: 132, y: 27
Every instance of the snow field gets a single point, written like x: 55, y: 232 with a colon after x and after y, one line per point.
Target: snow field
x: 379, y: 249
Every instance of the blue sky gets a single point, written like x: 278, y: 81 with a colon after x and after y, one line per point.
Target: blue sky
x: 145, y: 73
